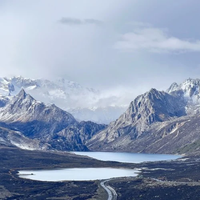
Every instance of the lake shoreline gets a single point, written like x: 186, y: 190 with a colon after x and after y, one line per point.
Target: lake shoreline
x: 14, y: 159
x: 97, y: 173
x: 78, y: 174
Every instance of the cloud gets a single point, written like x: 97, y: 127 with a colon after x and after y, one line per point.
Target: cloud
x: 70, y: 21
x: 75, y: 21
x: 155, y: 40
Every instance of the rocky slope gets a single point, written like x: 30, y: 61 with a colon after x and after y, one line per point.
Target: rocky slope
x: 36, y: 122
x: 75, y: 136
x: 11, y: 138
x: 156, y: 122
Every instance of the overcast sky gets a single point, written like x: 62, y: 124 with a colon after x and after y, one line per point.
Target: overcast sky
x: 137, y: 44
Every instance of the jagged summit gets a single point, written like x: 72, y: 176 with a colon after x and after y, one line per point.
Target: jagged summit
x: 22, y: 94
x: 190, y: 88
x: 23, y: 107
x: 156, y: 106
x: 188, y: 91
x: 147, y: 109
x: 30, y: 124
x: 173, y: 87
x: 156, y: 121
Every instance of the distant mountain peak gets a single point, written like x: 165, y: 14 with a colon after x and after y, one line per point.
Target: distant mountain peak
x: 153, y: 93
x: 22, y: 94
x: 153, y: 90
x: 185, y: 85
x: 189, y: 90
x: 172, y: 87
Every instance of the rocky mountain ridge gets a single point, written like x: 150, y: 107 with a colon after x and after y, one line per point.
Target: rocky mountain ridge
x: 156, y: 122
x: 32, y: 122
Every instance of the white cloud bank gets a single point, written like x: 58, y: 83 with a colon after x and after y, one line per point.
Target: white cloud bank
x: 155, y: 40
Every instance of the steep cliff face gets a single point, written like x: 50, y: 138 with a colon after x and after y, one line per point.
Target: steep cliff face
x: 152, y: 107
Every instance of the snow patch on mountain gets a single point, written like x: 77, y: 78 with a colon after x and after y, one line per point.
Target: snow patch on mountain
x: 190, y: 89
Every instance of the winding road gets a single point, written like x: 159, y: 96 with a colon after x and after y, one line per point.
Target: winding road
x: 112, y: 195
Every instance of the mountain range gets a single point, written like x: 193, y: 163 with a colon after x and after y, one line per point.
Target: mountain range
x: 84, y: 103
x: 155, y: 122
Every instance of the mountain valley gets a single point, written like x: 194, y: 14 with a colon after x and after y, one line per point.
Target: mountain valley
x: 35, y: 135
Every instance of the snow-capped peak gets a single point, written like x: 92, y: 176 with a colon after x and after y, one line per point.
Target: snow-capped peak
x: 174, y: 86
x: 68, y: 95
x: 190, y: 89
